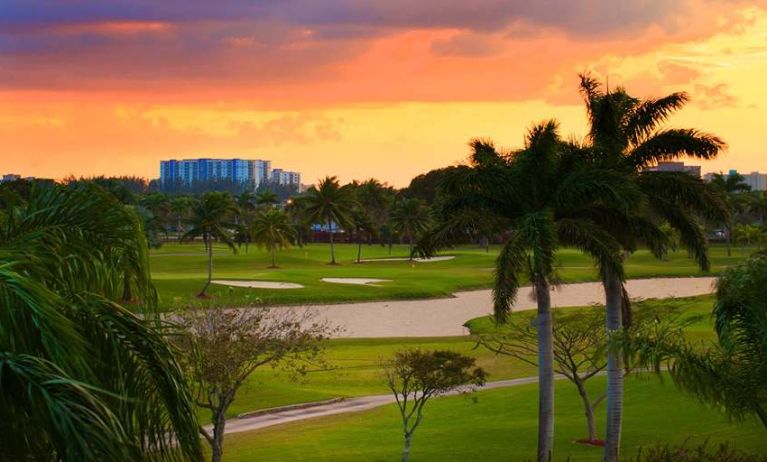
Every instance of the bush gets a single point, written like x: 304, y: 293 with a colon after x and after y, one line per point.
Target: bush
x: 666, y: 453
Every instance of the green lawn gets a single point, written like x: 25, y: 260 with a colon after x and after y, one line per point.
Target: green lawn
x: 356, y: 363
x: 500, y: 425
x: 179, y: 272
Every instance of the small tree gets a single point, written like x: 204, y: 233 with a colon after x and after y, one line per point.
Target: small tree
x: 580, y: 346
x: 224, y: 347
x: 415, y: 376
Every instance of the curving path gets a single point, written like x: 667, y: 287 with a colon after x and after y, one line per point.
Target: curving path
x: 445, y: 316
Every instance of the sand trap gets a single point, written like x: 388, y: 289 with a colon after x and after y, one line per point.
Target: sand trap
x: 445, y: 316
x: 417, y: 260
x: 260, y: 284
x: 355, y: 281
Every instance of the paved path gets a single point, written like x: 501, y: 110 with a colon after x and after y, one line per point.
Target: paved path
x: 362, y: 403
x: 445, y: 316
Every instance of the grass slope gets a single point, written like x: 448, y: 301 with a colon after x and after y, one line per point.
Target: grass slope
x: 179, y: 272
x: 356, y: 369
x: 500, y: 425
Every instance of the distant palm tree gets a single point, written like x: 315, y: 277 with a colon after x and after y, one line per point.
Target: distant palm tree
x: 272, y: 229
x: 208, y: 221
x: 179, y: 208
x: 544, y: 197
x: 330, y: 204
x: 81, y: 377
x: 376, y: 200
x: 410, y: 218
x: 267, y: 198
x: 626, y: 135
x: 362, y: 224
x: 728, y: 186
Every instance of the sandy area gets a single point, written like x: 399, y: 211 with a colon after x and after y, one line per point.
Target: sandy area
x: 417, y: 260
x: 445, y: 316
x: 355, y: 281
x: 259, y: 284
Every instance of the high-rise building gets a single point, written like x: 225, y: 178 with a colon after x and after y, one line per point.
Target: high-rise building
x: 286, y: 178
x: 693, y: 170
x: 188, y: 171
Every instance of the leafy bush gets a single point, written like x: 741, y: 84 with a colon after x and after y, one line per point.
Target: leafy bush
x: 701, y: 453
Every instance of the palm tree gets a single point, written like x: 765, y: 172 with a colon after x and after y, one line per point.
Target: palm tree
x: 179, y: 208
x: 81, y: 377
x: 208, y: 221
x: 542, y: 197
x: 272, y: 229
x: 730, y: 374
x: 729, y: 185
x: 267, y: 198
x: 376, y: 199
x: 625, y: 135
x: 330, y: 204
x: 410, y: 218
x: 362, y: 224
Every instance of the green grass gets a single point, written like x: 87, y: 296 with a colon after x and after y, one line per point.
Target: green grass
x: 356, y: 368
x: 499, y: 426
x: 179, y: 272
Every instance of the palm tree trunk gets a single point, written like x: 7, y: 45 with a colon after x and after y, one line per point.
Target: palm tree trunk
x: 410, y: 246
x: 332, y: 248
x: 127, y: 293
x: 274, y: 257
x: 210, y: 267
x: 613, y: 305
x: 545, y: 372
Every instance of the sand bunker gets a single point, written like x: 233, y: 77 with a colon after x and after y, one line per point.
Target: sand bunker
x: 417, y: 260
x: 260, y: 284
x: 355, y: 281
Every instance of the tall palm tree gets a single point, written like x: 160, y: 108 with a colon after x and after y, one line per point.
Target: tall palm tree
x: 208, y: 220
x: 410, y: 218
x: 330, y: 204
x: 542, y: 197
x: 81, y: 377
x: 272, y: 229
x: 376, y: 199
x: 626, y: 134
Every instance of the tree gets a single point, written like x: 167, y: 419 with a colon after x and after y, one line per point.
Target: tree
x: 729, y: 375
x: 271, y: 228
x: 81, y: 377
x: 362, y: 224
x: 179, y: 209
x: 330, y: 204
x: 376, y: 199
x: 415, y: 376
x: 208, y: 221
x: 410, y: 218
x: 544, y: 197
x: 580, y: 346
x: 267, y: 198
x: 729, y: 185
x: 626, y: 134
x: 223, y: 348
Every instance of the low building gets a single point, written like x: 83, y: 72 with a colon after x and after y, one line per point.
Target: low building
x: 286, y: 178
x: 756, y: 180
x: 693, y: 170
x: 10, y: 177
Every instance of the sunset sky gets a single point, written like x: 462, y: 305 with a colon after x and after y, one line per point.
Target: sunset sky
x: 356, y: 88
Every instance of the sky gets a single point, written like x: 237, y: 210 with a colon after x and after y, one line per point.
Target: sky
x: 356, y: 88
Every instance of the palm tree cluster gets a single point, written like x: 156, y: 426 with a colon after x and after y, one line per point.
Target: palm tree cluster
x: 81, y: 377
x: 597, y: 195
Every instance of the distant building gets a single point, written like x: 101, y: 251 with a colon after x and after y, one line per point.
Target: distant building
x: 10, y: 177
x: 286, y: 178
x: 693, y: 170
x: 756, y: 180
x: 188, y: 171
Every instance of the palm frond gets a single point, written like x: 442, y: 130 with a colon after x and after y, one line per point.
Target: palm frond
x: 674, y: 143
x: 650, y: 113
